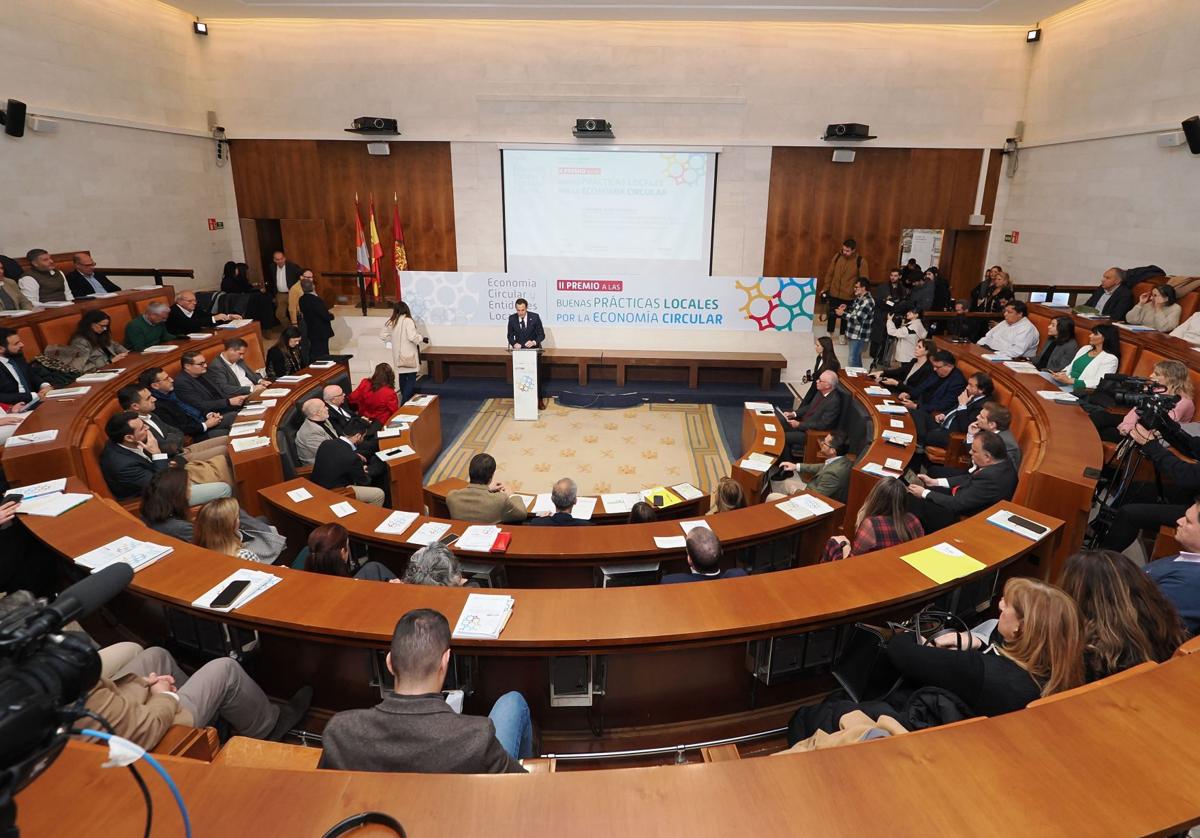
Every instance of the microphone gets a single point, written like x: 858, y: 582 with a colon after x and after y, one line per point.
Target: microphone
x: 81, y: 599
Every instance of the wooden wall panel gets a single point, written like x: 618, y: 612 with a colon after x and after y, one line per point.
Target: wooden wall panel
x: 815, y: 203
x: 317, y: 180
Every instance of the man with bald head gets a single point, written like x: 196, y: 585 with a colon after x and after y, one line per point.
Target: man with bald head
x: 85, y: 280
x: 1112, y: 299
x: 150, y: 329
x: 44, y: 283
x: 823, y: 413
x: 704, y: 560
x: 563, y: 496
x: 315, y: 430
x: 340, y: 410
x: 185, y: 317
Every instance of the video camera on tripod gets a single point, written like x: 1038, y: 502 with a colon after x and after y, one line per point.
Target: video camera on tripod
x: 1149, y: 399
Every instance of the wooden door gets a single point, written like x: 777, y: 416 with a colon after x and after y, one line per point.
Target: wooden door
x: 250, y: 248
x: 307, y: 245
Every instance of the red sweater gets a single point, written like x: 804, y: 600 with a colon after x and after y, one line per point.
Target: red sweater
x: 374, y: 404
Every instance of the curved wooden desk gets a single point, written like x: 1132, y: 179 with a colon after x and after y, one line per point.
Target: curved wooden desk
x: 55, y: 325
x: 1039, y: 771
x: 435, y: 499
x: 880, y: 450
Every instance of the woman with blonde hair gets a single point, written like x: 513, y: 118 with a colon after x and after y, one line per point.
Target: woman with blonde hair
x: 217, y: 528
x: 1035, y: 649
x: 1126, y: 618
x: 1172, y: 379
x: 400, y: 331
x: 729, y: 496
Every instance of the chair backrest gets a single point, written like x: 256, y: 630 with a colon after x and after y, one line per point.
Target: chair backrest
x: 58, y: 331
x: 141, y: 305
x: 90, y: 449
x: 33, y: 343
x: 119, y: 317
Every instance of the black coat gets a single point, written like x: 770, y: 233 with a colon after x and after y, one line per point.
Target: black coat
x: 558, y: 519
x: 201, y: 394
x: 970, y: 493
x: 824, y: 412
x: 172, y: 413
x: 128, y: 472
x: 179, y: 323
x: 338, y: 465
x: 533, y: 329
x: 317, y: 317
x: 1118, y: 304
x: 80, y: 287
x: 277, y: 364
x: 11, y: 391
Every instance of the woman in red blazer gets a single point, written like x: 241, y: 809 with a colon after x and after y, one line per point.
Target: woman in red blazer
x: 375, y: 397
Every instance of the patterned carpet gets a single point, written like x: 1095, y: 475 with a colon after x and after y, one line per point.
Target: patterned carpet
x: 621, y: 450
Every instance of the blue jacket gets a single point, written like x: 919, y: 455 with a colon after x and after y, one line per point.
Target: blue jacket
x: 942, y: 396
x: 1179, y: 580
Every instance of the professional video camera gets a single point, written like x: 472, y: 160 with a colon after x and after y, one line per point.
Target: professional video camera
x: 45, y: 677
x: 1127, y: 390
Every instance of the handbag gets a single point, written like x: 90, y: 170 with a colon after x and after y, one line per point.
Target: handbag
x: 865, y: 672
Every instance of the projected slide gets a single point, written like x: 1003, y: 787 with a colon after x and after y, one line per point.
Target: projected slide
x: 593, y: 214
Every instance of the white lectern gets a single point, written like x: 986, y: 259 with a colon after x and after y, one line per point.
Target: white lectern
x: 525, y: 383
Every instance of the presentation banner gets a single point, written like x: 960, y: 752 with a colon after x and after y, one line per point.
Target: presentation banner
x: 746, y: 303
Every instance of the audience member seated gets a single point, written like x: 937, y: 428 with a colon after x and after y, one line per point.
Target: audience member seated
x: 1173, y: 380
x: 1157, y: 309
x: 315, y: 430
x: 1060, y: 347
x: 289, y: 355
x: 318, y: 319
x: 940, y: 395
x: 197, y: 390
x: 131, y: 457
x: 484, y: 500
x: 10, y: 420
x: 906, y: 335
x: 338, y: 464
x: 217, y: 528
x: 563, y: 496
x: 1014, y: 336
x: 11, y: 297
x: 206, y: 461
x: 1112, y: 299
x: 434, y: 565
x: 1189, y: 330
x: 375, y: 397
x: 823, y: 413
x: 993, y: 417
x: 912, y: 376
x: 883, y: 521
x: 175, y: 411
x: 230, y: 375
x: 414, y: 730
x: 1178, y: 576
x: 185, y: 318
x: 827, y: 359
x: 728, y: 496
x: 235, y: 281
x: 150, y: 328
x: 940, y: 501
x: 1126, y: 619
x: 830, y: 477
x: 19, y: 382
x: 94, y: 344
x: 704, y: 560
x: 42, y: 282
x: 858, y: 316
x: 642, y: 513
x: 1091, y: 363
x: 935, y: 429
x: 1034, y: 650
x: 85, y: 280
x: 329, y: 553
x: 340, y: 410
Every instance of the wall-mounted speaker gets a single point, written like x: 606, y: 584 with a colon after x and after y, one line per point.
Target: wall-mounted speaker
x: 379, y: 149
x: 1191, y: 130
x: 843, y: 155
x: 13, y: 118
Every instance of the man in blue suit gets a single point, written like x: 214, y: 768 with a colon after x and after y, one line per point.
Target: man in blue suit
x: 942, y: 395
x: 525, y: 332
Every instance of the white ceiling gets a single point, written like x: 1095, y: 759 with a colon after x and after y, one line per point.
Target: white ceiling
x: 1008, y: 12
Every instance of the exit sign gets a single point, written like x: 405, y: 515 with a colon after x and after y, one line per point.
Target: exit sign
x: 213, y: 224
x: 1013, y: 238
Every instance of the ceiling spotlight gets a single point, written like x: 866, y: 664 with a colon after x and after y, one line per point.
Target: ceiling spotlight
x: 1033, y: 36
x: 200, y: 28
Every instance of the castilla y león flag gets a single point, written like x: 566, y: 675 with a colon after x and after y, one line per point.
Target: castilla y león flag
x: 398, y: 254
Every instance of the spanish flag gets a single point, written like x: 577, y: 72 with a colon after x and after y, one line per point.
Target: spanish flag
x: 376, y: 251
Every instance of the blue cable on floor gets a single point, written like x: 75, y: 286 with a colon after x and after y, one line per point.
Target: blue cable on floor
x: 187, y: 823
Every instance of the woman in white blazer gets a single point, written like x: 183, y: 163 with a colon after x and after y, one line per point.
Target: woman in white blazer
x: 401, y: 332
x: 1101, y: 356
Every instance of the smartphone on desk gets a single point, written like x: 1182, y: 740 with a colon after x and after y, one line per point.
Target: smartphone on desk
x: 229, y: 595
x: 448, y: 539
x: 1032, y: 526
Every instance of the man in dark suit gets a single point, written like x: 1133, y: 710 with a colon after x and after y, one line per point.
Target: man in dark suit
x: 563, y: 496
x: 186, y: 317
x: 131, y: 457
x: 704, y: 560
x: 18, y: 382
x: 939, y: 502
x: 175, y: 411
x: 316, y: 318
x: 207, y: 460
x: 935, y: 428
x: 280, y: 278
x: 1112, y: 299
x: 340, y: 464
x: 414, y: 729
x: 230, y: 375
x: 1178, y: 576
x: 525, y: 332
x: 85, y: 280
x: 823, y: 413
x: 192, y: 387
x: 942, y: 395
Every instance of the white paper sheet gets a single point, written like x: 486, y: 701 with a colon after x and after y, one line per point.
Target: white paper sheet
x: 583, y: 508
x: 397, y: 523
x: 299, y: 495
x: 342, y: 509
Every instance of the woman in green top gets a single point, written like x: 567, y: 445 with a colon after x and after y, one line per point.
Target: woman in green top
x: 1101, y: 356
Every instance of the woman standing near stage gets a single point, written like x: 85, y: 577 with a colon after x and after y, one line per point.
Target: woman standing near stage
x: 401, y: 332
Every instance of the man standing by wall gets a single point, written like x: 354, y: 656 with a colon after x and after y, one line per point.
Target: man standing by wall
x: 284, y: 275
x: 846, y: 266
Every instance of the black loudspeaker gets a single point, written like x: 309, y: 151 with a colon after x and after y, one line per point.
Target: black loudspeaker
x: 1191, y: 130
x: 14, y: 118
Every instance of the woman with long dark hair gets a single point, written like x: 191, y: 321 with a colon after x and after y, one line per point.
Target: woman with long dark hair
x: 1060, y: 346
x: 914, y: 376
x: 289, y: 355
x: 1091, y: 363
x: 329, y: 553
x: 93, y: 342
x: 883, y: 521
x: 400, y: 331
x: 827, y: 359
x: 375, y: 397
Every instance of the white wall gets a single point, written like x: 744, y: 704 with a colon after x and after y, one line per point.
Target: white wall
x: 1093, y: 189
x: 130, y: 174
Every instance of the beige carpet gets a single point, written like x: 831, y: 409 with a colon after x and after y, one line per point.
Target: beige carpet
x: 620, y: 450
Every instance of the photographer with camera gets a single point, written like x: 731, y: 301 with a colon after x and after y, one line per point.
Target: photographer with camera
x: 1169, y: 378
x: 905, y: 326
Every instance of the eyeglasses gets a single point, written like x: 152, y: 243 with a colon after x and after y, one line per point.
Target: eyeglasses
x: 199, y: 363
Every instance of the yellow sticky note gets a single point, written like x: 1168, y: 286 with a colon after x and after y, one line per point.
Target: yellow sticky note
x: 669, y: 498
x: 943, y: 563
